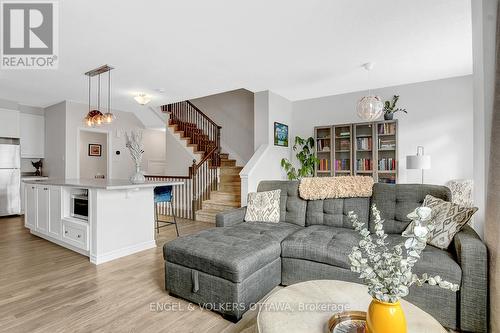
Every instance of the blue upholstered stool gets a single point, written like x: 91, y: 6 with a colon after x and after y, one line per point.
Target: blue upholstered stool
x: 164, y: 194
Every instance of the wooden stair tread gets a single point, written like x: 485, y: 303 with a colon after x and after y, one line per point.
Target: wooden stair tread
x: 223, y: 202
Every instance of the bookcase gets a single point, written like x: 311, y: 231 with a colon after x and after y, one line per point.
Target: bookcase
x: 365, y: 149
x: 323, y: 137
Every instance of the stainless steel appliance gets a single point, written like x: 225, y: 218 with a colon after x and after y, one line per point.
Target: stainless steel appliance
x: 10, y: 177
x: 80, y: 206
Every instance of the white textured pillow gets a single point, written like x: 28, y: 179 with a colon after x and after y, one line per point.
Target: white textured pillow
x: 263, y: 207
x: 447, y: 220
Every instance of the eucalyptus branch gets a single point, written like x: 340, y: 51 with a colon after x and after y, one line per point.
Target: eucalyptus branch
x: 387, y: 272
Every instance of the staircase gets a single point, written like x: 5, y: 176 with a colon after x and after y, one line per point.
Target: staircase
x: 213, y: 184
x: 228, y: 195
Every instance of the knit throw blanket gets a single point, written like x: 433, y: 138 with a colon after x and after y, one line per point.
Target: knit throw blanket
x: 318, y: 188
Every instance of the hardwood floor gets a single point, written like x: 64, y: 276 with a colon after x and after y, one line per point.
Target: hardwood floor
x: 47, y: 288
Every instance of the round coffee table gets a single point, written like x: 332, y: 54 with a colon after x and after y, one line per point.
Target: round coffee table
x: 307, y: 307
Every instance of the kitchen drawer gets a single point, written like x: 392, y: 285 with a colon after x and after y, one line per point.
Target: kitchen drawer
x: 76, y: 234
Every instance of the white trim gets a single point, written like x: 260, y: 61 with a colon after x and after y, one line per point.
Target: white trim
x: 115, y: 254
x: 60, y: 243
x: 109, y: 157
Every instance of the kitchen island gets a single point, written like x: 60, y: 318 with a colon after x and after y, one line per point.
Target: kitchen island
x: 118, y: 221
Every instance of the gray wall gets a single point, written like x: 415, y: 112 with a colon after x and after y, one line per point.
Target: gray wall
x: 55, y: 141
x: 90, y: 166
x: 440, y: 117
x: 234, y: 111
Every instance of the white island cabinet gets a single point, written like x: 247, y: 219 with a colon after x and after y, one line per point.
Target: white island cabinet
x: 119, y: 222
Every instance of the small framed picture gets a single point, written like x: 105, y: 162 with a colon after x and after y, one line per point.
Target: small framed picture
x: 280, y: 134
x: 95, y: 149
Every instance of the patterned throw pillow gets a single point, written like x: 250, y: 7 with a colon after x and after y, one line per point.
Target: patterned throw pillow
x: 263, y: 207
x: 447, y: 220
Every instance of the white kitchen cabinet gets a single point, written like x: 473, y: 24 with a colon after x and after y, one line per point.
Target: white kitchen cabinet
x: 55, y: 212
x: 32, y: 131
x: 43, y: 211
x: 9, y: 123
x: 31, y: 206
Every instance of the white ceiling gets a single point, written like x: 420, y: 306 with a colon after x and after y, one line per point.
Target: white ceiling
x: 298, y: 49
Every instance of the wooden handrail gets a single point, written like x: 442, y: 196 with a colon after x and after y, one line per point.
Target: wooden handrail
x: 203, y: 114
x: 164, y: 176
x: 204, y: 135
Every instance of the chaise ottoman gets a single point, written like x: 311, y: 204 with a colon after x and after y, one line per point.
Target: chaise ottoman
x: 227, y: 269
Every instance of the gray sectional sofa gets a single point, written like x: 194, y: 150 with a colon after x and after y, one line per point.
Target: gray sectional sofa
x: 228, y: 268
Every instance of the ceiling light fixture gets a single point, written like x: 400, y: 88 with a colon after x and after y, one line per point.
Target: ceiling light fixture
x: 370, y: 107
x: 96, y: 117
x: 142, y: 98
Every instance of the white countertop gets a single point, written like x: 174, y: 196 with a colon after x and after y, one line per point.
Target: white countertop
x: 105, y: 184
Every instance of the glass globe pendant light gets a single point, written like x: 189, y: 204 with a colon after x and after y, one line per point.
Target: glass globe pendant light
x: 108, y: 116
x: 96, y: 117
x: 371, y: 107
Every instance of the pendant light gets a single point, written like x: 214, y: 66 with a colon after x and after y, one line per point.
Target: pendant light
x: 108, y: 116
x: 370, y: 107
x: 96, y: 117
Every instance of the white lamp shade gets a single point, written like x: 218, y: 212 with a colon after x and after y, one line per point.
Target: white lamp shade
x: 421, y: 162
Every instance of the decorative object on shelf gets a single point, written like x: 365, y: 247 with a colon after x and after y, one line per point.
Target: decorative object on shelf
x: 136, y: 149
x: 420, y: 161
x: 387, y: 272
x: 142, y: 98
x: 306, y: 158
x: 280, y: 134
x: 95, y: 149
x: 38, y: 166
x: 390, y: 108
x: 369, y: 107
x: 96, y: 117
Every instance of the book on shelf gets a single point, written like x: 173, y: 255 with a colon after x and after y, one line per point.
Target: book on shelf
x: 384, y: 143
x: 342, y: 165
x: 345, y: 144
x: 324, y: 165
x: 364, y: 164
x: 387, y: 164
x: 364, y: 143
x: 323, y: 144
x: 345, y: 133
x: 387, y: 128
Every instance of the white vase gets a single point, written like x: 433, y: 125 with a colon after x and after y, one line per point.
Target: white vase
x: 138, y: 177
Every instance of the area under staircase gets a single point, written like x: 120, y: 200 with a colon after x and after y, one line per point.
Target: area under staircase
x: 213, y: 182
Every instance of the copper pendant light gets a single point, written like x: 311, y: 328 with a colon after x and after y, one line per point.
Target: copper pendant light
x: 96, y: 117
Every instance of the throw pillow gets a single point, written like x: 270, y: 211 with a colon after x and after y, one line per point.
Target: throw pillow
x: 447, y: 220
x: 263, y: 206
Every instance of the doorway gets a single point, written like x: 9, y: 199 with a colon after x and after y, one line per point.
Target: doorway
x: 93, y: 154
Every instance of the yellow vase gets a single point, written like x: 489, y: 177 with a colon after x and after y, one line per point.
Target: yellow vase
x: 385, y: 317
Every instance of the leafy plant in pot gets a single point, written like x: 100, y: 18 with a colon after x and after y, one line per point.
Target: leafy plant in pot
x: 390, y: 108
x: 306, y: 158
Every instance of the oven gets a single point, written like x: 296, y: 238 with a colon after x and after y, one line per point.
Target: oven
x: 80, y: 206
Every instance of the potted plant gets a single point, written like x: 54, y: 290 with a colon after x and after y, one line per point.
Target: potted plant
x: 306, y: 158
x: 390, y: 108
x: 388, y: 271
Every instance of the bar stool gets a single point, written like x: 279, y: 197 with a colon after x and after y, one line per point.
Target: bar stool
x: 164, y: 194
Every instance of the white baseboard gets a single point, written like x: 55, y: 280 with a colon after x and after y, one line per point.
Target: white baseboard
x: 115, y: 254
x: 60, y: 243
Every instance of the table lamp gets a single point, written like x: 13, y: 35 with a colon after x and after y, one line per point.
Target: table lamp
x: 419, y: 161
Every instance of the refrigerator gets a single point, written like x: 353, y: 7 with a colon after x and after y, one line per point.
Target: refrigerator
x: 10, y: 177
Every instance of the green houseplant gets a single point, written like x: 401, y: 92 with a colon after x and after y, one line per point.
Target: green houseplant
x: 390, y: 108
x: 305, y: 156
